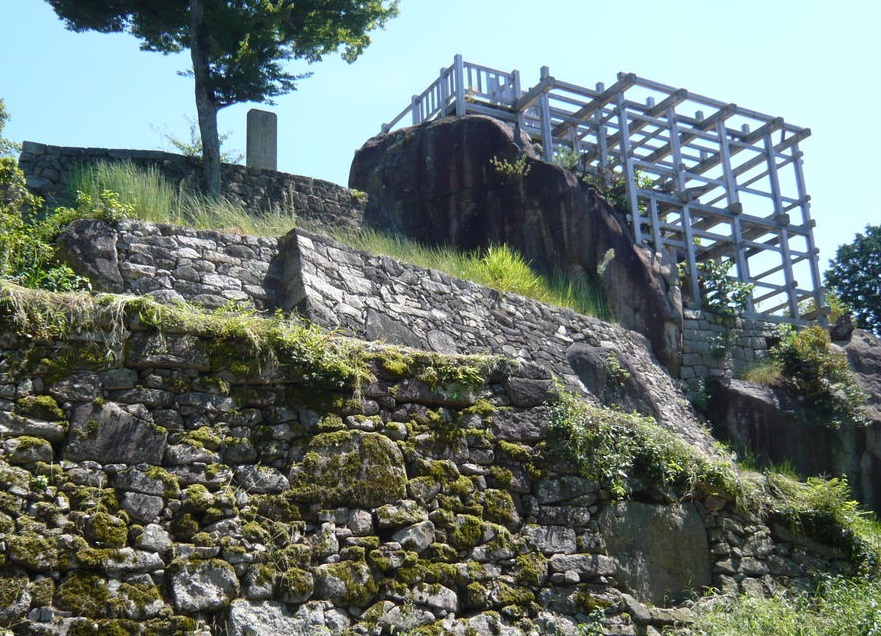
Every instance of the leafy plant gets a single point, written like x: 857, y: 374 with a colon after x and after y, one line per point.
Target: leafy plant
x: 567, y: 157
x: 722, y: 293
x: 511, y: 170
x: 6, y: 147
x: 812, y: 369
x: 192, y: 147
x: 613, y: 448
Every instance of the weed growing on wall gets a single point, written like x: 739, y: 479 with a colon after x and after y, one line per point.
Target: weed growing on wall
x: 614, y: 448
x: 511, y: 170
x: 839, y: 606
x: 153, y: 199
x: 27, y: 256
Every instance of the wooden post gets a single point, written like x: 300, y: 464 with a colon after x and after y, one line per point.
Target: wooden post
x: 515, y: 74
x: 414, y: 110
x: 444, y: 91
x: 547, y: 138
x: 627, y: 165
x: 805, y: 205
x: 459, y: 83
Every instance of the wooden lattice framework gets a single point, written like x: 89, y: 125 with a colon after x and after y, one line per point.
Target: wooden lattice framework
x: 708, y: 180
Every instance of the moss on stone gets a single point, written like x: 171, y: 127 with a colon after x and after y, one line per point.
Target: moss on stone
x: 107, y: 531
x: 475, y: 595
x: 184, y: 526
x: 531, y: 569
x: 498, y: 507
x: 42, y: 407
x: 118, y: 627
x: 441, y: 552
x: 169, y: 480
x: 351, y: 469
x: 42, y: 591
x: 196, y: 499
x: 33, y: 551
x: 278, y: 507
x: 13, y: 587
x: 85, y: 595
x: 512, y: 595
x: 500, y: 477
x: 517, y: 452
x: 466, y: 532
x: 359, y: 587
x: 296, y: 585
x: 203, y: 437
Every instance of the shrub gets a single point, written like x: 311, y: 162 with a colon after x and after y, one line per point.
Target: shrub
x: 812, y: 369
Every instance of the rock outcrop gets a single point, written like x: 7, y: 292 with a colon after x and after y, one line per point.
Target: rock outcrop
x: 437, y: 184
x: 780, y: 427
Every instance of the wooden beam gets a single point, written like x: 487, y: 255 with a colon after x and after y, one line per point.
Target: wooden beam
x: 599, y: 101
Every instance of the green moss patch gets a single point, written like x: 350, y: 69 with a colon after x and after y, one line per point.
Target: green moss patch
x: 350, y: 468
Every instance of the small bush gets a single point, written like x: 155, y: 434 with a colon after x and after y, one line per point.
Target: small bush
x: 511, y: 170
x: 812, y: 369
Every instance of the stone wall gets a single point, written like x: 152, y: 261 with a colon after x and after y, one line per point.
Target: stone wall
x: 47, y: 169
x: 184, y: 486
x: 715, y: 346
x: 378, y: 298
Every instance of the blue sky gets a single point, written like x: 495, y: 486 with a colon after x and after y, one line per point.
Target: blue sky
x: 813, y: 63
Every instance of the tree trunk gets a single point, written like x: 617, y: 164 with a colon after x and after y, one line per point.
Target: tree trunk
x: 206, y: 103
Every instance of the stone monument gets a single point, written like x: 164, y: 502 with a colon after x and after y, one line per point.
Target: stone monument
x: 262, y: 141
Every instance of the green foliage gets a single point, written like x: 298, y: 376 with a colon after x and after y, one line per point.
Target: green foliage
x: 812, y: 369
x: 613, y: 448
x: 612, y: 185
x: 237, y: 49
x: 192, y: 147
x: 152, y: 198
x: 26, y: 254
x: 722, y: 294
x: 839, y: 606
x: 511, y: 170
x: 566, y: 157
x: 855, y: 277
x: 6, y: 147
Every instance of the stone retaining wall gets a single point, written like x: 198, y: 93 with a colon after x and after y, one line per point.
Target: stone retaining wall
x: 379, y: 298
x: 47, y: 168
x: 184, y: 488
x: 717, y: 346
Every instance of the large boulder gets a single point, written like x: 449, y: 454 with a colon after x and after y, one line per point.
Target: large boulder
x: 437, y: 184
x: 662, y: 551
x: 778, y: 427
x: 863, y: 352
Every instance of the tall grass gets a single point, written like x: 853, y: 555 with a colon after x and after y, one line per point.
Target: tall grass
x: 839, y: 607
x: 498, y: 266
x: 155, y: 200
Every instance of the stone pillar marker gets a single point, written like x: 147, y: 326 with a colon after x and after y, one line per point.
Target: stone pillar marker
x: 262, y: 140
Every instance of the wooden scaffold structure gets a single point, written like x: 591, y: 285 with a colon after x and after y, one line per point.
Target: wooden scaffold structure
x: 705, y: 180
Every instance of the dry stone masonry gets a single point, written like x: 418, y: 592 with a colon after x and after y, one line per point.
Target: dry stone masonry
x: 48, y: 169
x: 180, y: 488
